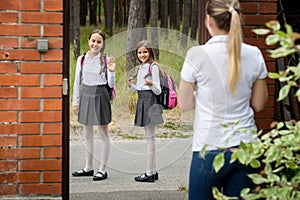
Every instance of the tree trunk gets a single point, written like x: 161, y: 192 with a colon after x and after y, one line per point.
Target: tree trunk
x: 186, y: 22
x: 109, y: 14
x: 71, y: 25
x: 180, y: 10
x: 119, y: 13
x: 126, y: 11
x: 93, y: 12
x: 164, y: 15
x: 147, y: 11
x: 195, y: 17
x: 83, y: 12
x: 175, y: 15
x: 76, y: 29
x: 203, y: 34
x: 154, y: 32
x: 99, y: 11
x: 134, y: 33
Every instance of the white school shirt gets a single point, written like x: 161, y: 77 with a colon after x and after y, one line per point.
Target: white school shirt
x: 206, y: 65
x: 140, y: 83
x: 90, y: 75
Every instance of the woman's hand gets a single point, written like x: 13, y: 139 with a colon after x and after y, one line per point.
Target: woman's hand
x: 111, y: 65
x: 75, y: 110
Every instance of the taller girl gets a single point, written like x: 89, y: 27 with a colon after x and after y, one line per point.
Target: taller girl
x: 148, y: 112
x: 91, y: 101
x: 228, y: 78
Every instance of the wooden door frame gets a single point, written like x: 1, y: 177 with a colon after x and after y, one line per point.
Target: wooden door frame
x: 66, y: 104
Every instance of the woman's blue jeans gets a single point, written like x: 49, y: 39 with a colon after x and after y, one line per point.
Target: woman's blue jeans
x: 230, y: 180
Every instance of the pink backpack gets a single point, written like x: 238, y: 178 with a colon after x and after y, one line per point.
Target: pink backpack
x: 168, y: 97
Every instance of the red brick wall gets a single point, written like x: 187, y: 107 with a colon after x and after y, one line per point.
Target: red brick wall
x: 256, y: 14
x: 30, y: 97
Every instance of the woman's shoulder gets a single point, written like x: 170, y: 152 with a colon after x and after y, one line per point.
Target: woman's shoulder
x: 249, y: 47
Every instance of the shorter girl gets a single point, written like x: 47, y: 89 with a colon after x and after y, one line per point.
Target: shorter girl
x: 148, y: 112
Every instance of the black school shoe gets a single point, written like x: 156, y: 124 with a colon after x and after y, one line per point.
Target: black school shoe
x: 145, y: 178
x: 83, y: 173
x: 155, y: 176
x: 100, y: 177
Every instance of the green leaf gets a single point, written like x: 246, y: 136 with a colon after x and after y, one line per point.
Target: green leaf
x: 225, y: 125
x: 273, y: 177
x: 234, y: 156
x: 289, y: 29
x: 274, y: 24
x: 243, y: 145
x: 298, y: 94
x: 272, y: 39
x: 219, y: 162
x: 255, y: 163
x: 237, y: 122
x: 261, y: 31
x: 281, y: 52
x: 273, y: 75
x: 291, y: 165
x: 203, y: 151
x: 258, y: 179
x: 279, y: 125
x: 284, y: 91
x: 242, y: 157
x: 278, y: 169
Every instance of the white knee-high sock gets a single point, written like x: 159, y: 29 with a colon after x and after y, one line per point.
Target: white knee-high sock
x: 89, y: 147
x: 150, y: 138
x: 105, y: 149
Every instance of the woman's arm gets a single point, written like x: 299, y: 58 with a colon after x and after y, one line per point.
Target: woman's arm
x: 259, y: 95
x: 186, y: 95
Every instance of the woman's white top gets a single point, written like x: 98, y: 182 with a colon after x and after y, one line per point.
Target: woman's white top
x: 142, y: 71
x: 91, y: 75
x: 206, y: 65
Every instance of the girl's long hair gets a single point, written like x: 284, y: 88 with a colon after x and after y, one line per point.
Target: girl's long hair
x: 147, y: 45
x: 226, y: 14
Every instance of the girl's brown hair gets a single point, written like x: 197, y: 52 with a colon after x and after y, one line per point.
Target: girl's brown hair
x: 147, y: 45
x: 226, y: 16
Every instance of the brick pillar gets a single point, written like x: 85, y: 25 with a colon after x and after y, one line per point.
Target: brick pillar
x: 255, y: 15
x: 31, y: 98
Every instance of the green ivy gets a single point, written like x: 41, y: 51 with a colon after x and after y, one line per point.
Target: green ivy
x: 276, y: 153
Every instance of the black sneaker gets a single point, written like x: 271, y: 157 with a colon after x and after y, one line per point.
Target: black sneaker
x: 83, y: 173
x: 145, y: 178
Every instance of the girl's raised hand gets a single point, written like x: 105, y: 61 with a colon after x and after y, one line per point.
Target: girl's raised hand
x: 111, y: 64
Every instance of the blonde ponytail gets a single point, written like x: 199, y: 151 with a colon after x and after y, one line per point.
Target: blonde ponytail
x: 234, y: 50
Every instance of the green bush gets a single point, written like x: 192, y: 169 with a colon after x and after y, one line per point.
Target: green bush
x: 276, y: 153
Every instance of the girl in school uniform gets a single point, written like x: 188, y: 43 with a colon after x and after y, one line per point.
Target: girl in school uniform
x: 148, y: 112
x: 91, y: 101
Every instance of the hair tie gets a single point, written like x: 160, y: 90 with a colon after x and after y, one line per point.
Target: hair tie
x: 230, y: 9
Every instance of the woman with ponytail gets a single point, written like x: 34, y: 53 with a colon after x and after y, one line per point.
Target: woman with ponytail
x: 224, y: 80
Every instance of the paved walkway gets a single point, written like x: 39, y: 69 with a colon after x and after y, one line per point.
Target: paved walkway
x: 127, y: 160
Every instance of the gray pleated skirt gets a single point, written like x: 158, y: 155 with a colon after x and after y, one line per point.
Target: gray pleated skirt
x: 94, y: 105
x: 148, y: 112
